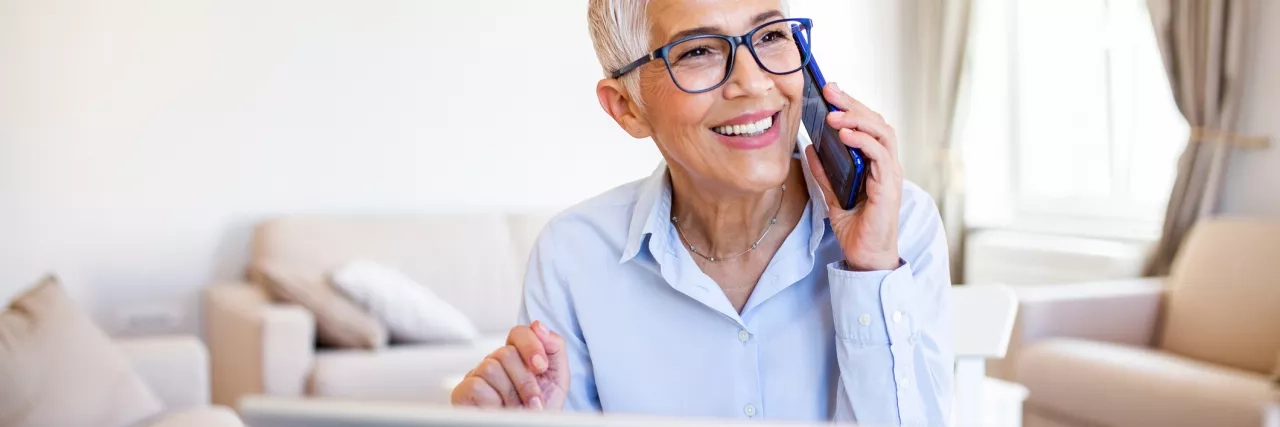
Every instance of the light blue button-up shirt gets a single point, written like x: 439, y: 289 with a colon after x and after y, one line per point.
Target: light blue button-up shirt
x: 648, y: 332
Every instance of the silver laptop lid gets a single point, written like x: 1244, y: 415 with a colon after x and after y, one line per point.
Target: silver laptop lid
x: 296, y: 412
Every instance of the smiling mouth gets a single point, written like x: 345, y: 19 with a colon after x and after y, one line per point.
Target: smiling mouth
x: 756, y: 128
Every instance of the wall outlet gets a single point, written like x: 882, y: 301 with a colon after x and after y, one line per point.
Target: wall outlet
x: 137, y: 319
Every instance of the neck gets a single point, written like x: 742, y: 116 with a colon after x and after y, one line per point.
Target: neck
x: 721, y: 221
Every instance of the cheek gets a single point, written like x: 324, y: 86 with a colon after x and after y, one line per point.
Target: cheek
x: 673, y: 112
x: 792, y: 87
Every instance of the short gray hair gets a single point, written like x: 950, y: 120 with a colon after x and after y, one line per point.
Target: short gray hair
x: 620, y: 34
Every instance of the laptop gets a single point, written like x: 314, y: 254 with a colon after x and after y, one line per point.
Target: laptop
x: 262, y: 411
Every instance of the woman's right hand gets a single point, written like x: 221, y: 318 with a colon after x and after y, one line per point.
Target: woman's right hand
x: 531, y: 371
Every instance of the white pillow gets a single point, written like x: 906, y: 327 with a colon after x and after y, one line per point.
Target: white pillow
x: 411, y: 312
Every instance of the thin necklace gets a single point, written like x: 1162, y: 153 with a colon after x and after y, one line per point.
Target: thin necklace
x: 676, y: 222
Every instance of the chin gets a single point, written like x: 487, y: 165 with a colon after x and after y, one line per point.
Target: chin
x: 762, y: 174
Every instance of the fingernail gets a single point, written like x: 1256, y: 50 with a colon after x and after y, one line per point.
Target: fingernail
x: 539, y: 363
x: 538, y: 329
x: 836, y: 87
x: 536, y: 403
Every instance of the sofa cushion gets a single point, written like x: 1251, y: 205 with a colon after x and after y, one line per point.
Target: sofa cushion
x: 400, y: 372
x: 1224, y: 290
x: 211, y: 416
x: 1115, y: 385
x: 411, y: 312
x: 339, y: 321
x: 472, y: 261
x: 175, y: 368
x: 58, y: 369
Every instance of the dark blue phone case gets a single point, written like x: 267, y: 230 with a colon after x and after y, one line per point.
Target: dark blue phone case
x: 846, y: 169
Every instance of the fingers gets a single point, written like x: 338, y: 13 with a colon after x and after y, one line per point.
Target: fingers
x: 524, y: 381
x: 858, y: 116
x: 820, y: 175
x: 492, y: 371
x: 551, y: 342
x: 475, y: 391
x: 884, y: 172
x: 558, y: 357
x: 532, y: 352
x: 846, y: 102
x: 871, y: 148
x: 510, y: 375
x: 878, y: 129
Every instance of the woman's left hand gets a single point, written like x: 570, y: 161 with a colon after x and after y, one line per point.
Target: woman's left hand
x: 868, y: 233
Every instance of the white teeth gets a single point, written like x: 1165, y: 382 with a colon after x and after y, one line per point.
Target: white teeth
x: 749, y: 129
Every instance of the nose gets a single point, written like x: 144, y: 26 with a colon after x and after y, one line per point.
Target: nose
x: 747, y: 79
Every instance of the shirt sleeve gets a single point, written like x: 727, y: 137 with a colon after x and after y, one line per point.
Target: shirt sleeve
x: 547, y: 298
x: 893, y: 336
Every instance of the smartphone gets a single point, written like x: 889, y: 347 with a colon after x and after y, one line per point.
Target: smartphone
x: 845, y: 166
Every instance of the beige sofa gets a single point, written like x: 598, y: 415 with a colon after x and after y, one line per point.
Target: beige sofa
x: 177, y: 370
x: 1194, y: 349
x: 474, y: 262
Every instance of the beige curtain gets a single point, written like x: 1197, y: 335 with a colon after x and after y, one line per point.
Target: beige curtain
x: 1203, y: 44
x: 943, y: 47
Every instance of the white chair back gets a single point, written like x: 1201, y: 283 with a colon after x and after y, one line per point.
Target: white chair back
x: 982, y: 319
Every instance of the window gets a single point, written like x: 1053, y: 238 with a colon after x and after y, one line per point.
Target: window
x: 1070, y: 124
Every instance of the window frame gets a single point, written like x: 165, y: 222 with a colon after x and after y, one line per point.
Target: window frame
x: 1116, y: 215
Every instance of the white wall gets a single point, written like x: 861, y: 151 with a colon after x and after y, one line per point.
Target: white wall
x: 1253, y: 180
x: 140, y: 140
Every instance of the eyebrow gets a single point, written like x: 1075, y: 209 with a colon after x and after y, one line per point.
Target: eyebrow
x: 700, y: 31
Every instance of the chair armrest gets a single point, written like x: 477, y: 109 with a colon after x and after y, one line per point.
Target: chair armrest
x: 175, y: 367
x: 256, y: 347
x: 1115, y: 311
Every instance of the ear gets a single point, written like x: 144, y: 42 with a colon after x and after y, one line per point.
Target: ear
x: 615, y: 101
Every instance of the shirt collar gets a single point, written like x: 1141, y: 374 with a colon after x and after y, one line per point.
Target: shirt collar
x: 653, y: 205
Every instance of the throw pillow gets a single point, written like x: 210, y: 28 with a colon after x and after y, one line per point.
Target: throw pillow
x: 411, y: 312
x: 59, y: 369
x: 339, y: 322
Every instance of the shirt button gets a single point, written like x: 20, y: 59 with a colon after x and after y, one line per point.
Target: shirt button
x: 750, y: 410
x: 897, y: 317
x: 864, y: 320
x: 904, y: 382
x: 744, y: 335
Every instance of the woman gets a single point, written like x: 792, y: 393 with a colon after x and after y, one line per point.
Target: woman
x: 730, y: 283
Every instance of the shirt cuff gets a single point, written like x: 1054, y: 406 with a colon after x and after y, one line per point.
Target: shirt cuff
x: 870, y: 307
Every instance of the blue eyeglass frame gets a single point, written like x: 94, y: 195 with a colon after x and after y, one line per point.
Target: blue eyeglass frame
x: 734, y: 42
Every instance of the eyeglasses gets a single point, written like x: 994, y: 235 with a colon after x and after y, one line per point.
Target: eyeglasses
x: 702, y: 63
